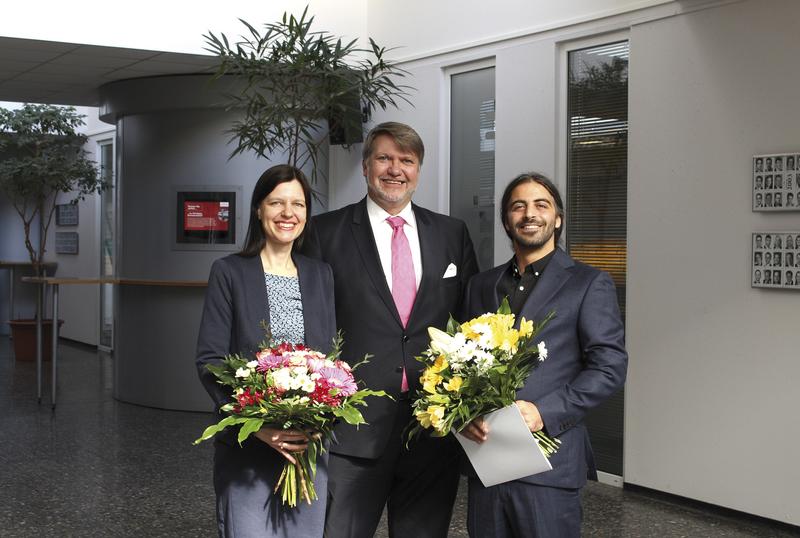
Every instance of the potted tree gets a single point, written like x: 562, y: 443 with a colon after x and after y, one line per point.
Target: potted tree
x: 302, y: 89
x: 41, y: 160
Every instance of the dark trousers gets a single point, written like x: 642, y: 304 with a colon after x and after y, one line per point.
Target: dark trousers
x: 520, y: 510
x: 417, y: 485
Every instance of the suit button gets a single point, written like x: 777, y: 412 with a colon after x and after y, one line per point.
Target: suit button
x: 405, y: 338
x: 398, y: 369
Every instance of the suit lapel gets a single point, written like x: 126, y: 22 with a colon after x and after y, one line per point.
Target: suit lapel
x: 489, y: 294
x: 429, y: 251
x: 365, y: 242
x: 309, y: 291
x: 258, y: 303
x: 558, y: 271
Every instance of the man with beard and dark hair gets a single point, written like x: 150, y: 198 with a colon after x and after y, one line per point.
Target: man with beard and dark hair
x: 587, y: 364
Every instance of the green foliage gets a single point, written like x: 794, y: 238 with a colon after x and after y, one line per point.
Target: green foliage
x: 452, y: 326
x: 504, y: 308
x: 248, y: 427
x: 295, y: 79
x: 42, y: 156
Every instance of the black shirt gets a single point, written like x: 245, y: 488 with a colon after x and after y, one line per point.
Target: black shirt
x: 518, y: 286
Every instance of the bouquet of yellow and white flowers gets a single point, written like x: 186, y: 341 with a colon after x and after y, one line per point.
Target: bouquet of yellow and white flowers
x: 475, y: 368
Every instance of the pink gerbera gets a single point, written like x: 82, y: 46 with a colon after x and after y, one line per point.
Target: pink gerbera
x: 269, y: 359
x: 316, y: 363
x: 339, y: 379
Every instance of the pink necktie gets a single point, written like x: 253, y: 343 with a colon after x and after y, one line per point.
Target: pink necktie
x: 404, y: 282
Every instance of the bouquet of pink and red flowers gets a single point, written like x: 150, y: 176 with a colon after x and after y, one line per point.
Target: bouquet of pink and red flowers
x: 290, y: 386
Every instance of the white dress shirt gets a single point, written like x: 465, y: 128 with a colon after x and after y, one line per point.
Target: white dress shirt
x: 382, y: 231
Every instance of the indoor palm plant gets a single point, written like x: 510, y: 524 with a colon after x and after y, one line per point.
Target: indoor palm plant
x: 301, y: 89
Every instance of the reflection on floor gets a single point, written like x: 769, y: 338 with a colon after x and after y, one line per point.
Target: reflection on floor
x: 99, y: 467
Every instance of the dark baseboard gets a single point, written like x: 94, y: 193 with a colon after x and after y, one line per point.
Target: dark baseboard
x: 708, y: 508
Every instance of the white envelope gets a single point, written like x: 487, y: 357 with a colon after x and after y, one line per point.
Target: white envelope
x: 451, y: 271
x: 510, y: 452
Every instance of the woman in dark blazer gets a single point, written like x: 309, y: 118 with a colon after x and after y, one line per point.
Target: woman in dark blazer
x: 266, y: 281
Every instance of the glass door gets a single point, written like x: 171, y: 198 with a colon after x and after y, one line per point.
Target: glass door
x: 472, y: 143
x: 108, y: 212
x: 597, y: 189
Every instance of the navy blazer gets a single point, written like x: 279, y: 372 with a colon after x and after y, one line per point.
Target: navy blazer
x: 366, y: 313
x: 236, y: 304
x: 586, y: 361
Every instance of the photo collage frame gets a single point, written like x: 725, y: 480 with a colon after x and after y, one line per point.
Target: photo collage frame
x: 776, y: 182
x: 776, y: 260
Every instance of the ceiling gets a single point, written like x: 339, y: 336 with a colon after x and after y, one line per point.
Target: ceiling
x: 70, y: 74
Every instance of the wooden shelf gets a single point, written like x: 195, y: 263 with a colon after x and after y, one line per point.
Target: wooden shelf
x: 122, y: 281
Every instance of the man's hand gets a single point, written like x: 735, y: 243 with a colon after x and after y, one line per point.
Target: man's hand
x: 477, y: 430
x: 531, y: 415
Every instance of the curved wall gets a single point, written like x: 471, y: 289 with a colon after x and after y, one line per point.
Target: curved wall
x: 170, y: 134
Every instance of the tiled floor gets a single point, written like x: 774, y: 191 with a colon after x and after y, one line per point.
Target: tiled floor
x: 98, y: 467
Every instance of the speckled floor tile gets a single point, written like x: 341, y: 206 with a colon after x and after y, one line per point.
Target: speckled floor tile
x: 96, y: 467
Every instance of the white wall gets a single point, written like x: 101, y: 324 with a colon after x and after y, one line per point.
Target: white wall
x: 712, y: 397
x: 422, y: 28
x: 166, y: 26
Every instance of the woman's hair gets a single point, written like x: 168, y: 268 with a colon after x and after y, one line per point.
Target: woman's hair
x: 274, y: 176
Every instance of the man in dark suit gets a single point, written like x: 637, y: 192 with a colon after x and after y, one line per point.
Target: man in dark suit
x: 398, y: 269
x: 586, y: 363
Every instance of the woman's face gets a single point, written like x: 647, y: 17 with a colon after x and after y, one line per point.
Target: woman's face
x: 283, y: 213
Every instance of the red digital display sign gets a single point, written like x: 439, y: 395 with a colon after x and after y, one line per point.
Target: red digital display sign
x: 206, y: 216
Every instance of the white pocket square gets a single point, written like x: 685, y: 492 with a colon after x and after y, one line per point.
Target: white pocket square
x: 451, y: 271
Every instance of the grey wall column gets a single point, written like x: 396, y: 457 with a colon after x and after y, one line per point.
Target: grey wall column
x: 171, y: 135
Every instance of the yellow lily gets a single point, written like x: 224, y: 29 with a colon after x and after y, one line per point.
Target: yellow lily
x: 454, y: 384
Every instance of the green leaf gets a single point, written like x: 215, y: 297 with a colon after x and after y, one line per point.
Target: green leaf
x: 214, y: 429
x: 351, y: 415
x: 452, y: 326
x: 504, y: 308
x: 250, y: 425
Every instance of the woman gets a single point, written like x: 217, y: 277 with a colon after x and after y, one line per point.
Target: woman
x: 266, y: 281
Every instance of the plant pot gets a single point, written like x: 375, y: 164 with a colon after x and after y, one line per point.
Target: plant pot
x: 23, y: 333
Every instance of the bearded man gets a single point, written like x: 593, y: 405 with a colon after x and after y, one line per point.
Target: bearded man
x: 586, y: 363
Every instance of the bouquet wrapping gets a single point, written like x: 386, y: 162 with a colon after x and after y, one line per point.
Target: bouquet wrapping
x: 475, y: 368
x: 290, y: 386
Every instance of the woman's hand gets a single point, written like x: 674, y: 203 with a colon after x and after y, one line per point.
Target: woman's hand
x: 285, y: 442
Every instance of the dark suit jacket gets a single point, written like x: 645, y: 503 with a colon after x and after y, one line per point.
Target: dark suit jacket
x: 586, y: 360
x: 236, y: 303
x: 366, y: 313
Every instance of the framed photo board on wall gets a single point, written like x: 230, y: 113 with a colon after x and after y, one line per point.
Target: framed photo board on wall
x: 776, y: 182
x: 66, y: 242
x: 67, y: 215
x: 775, y: 261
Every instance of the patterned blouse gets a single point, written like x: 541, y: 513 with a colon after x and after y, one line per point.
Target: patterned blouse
x: 285, y: 309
